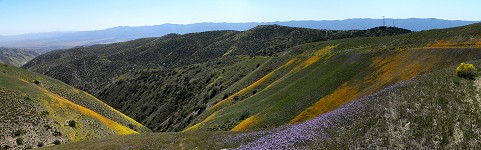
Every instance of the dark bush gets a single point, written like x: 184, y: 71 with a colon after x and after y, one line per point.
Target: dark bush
x: 20, y: 141
x: 57, y: 142
x: 131, y: 126
x: 39, y: 144
x: 6, y: 147
x: 72, y: 123
x: 56, y: 133
x: 36, y: 82
x: 244, y: 116
x: 18, y: 133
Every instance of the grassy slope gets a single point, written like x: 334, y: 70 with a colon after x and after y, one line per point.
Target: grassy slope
x: 323, y: 81
x: 129, y: 76
x: 40, y: 113
x: 436, y: 111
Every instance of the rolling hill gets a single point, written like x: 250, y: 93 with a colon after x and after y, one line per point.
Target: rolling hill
x: 43, y: 42
x: 327, y: 75
x: 398, y: 92
x: 38, y: 111
x: 16, y: 57
x: 166, y: 82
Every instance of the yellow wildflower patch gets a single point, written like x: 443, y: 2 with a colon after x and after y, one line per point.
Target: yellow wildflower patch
x: 247, y: 123
x: 402, y: 66
x: 114, y: 110
x: 342, y: 95
x: 324, y: 52
x: 64, y: 103
x: 253, y: 85
x: 196, y: 126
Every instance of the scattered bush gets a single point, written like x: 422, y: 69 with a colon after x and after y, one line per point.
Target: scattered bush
x: 19, y: 141
x: 39, y: 144
x: 72, y: 123
x: 57, y: 142
x: 36, y: 82
x: 56, y: 133
x: 131, y: 126
x: 6, y: 147
x: 244, y: 116
x: 18, y: 133
x: 467, y: 71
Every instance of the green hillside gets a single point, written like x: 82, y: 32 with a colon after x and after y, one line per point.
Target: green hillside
x: 437, y: 110
x: 327, y: 75
x: 389, y: 92
x: 38, y: 111
x: 167, y: 82
x: 16, y: 57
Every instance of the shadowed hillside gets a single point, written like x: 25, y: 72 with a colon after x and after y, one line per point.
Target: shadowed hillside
x: 38, y: 111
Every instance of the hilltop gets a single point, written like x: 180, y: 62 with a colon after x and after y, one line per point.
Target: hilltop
x: 43, y: 42
x: 166, y: 82
x: 38, y: 111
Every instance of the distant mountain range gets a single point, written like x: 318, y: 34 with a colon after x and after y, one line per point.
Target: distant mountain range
x: 42, y: 42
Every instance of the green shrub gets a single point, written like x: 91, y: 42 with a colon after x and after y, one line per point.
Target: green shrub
x: 467, y: 71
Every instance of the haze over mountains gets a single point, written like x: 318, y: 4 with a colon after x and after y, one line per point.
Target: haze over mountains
x: 43, y: 42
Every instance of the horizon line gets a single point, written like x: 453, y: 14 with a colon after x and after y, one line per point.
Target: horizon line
x: 44, y: 32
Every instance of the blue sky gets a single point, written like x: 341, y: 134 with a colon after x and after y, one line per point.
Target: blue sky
x: 30, y: 16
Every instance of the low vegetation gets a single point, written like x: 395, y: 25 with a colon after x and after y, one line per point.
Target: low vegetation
x: 38, y: 111
x: 467, y: 71
x: 437, y: 111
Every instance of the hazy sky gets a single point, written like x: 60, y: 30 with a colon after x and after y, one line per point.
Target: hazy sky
x: 27, y: 16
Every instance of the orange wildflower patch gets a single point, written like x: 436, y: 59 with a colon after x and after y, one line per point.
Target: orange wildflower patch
x: 247, y: 123
x: 402, y: 66
x: 196, y: 126
x: 441, y: 43
x: 473, y: 42
x: 324, y: 52
x: 342, y: 95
